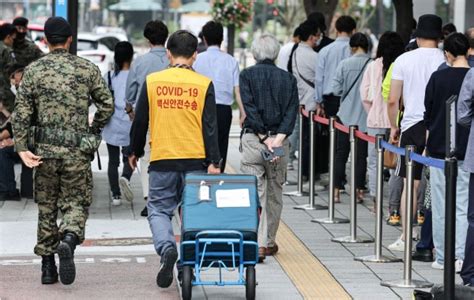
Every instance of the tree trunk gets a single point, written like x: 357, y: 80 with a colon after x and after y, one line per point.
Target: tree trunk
x: 404, y: 11
x: 326, y: 7
x: 380, y: 17
x: 230, y: 39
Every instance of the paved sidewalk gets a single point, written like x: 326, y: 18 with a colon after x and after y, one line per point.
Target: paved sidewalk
x: 124, y: 226
x: 361, y: 280
x: 99, y: 261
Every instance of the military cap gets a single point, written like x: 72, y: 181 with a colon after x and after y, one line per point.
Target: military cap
x: 20, y: 21
x: 6, y: 29
x: 57, y: 28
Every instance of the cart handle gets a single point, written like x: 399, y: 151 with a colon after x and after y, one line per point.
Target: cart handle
x: 207, y: 233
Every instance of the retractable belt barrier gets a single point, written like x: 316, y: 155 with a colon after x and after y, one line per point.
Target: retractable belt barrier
x: 427, y: 161
x: 410, y: 156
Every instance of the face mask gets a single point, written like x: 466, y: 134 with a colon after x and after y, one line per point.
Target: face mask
x: 20, y: 36
x: 318, y: 42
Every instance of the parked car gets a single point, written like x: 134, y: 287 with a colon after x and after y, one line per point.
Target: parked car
x: 98, y: 48
x: 36, y: 34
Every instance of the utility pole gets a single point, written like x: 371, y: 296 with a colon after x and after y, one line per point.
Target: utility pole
x: 68, y: 9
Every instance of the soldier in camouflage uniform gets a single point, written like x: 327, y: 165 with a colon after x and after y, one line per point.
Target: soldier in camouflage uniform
x: 7, y: 60
x: 25, y: 50
x: 8, y: 189
x: 52, y: 134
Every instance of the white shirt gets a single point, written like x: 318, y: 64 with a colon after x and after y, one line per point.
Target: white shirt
x: 284, y: 56
x: 222, y: 69
x: 414, y: 68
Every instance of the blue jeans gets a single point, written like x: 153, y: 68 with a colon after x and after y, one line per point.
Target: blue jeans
x: 7, y: 174
x: 164, y: 196
x: 426, y: 234
x: 438, y: 207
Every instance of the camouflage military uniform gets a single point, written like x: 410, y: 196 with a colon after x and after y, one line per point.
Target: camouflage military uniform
x: 53, y: 98
x: 26, y: 52
x: 7, y: 59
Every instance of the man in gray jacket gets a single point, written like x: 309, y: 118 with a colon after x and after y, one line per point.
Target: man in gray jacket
x: 156, y: 60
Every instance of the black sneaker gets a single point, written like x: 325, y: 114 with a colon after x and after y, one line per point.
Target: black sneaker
x: 67, y: 269
x: 144, y: 212
x: 424, y: 255
x: 165, y: 275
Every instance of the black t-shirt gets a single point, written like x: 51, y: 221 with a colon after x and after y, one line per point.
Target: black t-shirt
x: 442, y: 85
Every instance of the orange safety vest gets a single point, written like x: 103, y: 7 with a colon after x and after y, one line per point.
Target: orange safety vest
x: 176, y: 98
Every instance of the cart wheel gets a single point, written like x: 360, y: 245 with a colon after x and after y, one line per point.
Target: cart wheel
x: 187, y: 285
x: 250, y: 283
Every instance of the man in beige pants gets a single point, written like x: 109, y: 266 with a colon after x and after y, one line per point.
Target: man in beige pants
x: 270, y: 99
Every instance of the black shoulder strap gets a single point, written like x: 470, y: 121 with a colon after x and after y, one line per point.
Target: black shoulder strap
x: 357, y: 78
x: 109, y: 82
x: 307, y: 81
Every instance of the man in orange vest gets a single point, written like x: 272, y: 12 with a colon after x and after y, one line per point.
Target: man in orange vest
x: 179, y: 106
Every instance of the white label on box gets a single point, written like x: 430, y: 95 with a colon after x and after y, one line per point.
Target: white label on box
x: 233, y: 198
x: 204, y: 193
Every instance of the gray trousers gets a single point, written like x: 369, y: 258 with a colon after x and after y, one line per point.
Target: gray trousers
x: 164, y: 196
x: 270, y: 178
x: 396, y: 189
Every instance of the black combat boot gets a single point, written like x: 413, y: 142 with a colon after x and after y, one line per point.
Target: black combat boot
x: 49, y: 273
x: 67, y: 269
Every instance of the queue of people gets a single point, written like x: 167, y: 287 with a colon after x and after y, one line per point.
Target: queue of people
x: 401, y: 93
x: 398, y: 94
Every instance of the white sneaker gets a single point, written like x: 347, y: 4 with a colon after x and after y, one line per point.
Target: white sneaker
x: 436, y: 265
x: 126, y: 189
x: 458, y: 265
x: 398, y: 245
x: 116, y: 201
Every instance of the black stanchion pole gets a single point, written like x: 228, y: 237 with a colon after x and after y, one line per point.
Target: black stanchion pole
x: 450, y: 171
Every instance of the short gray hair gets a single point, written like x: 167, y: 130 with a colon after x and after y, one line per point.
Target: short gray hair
x: 264, y: 47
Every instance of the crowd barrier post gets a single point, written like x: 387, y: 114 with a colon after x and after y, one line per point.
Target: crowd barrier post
x: 311, y: 205
x: 332, y: 156
x: 287, y: 182
x: 299, y: 184
x: 407, y: 281
x: 450, y: 171
x: 378, y: 257
x: 353, y: 223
